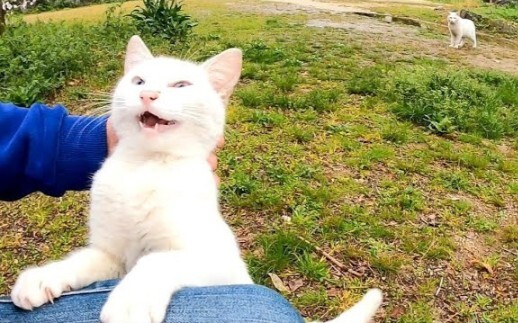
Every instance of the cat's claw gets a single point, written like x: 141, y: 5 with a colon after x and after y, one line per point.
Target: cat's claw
x: 37, y: 286
x: 136, y: 300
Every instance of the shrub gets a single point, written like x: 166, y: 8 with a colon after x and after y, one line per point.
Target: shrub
x: 34, y: 64
x: 36, y: 60
x: 164, y: 18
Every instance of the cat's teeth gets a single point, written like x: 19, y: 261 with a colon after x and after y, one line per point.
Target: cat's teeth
x: 156, y: 126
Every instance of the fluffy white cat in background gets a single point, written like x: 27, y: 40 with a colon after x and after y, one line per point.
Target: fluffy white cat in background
x: 154, y: 213
x: 460, y: 29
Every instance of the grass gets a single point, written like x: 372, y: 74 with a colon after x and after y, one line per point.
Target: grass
x: 90, y: 14
x: 335, y: 140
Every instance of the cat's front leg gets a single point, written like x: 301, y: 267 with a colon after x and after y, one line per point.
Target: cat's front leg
x: 452, y: 40
x: 144, y: 294
x: 457, y: 41
x: 39, y: 285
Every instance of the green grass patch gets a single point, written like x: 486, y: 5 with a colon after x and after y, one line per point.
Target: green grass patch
x: 485, y: 104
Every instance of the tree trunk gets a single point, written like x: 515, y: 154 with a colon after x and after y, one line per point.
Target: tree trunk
x: 2, y: 19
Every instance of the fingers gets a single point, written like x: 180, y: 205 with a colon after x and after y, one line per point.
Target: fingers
x: 221, y: 142
x: 213, y: 161
x: 111, y: 137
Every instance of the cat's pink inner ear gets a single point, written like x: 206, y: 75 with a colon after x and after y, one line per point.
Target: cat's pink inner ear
x: 136, y: 52
x: 224, y: 71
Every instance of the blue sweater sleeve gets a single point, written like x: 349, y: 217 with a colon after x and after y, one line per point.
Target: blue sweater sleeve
x: 45, y: 149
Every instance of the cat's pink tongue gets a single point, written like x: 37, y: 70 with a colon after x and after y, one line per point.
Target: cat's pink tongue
x: 150, y: 120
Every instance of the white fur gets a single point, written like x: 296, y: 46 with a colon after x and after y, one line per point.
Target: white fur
x: 154, y: 214
x: 460, y: 29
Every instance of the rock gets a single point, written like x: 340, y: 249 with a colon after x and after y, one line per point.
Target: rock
x: 388, y: 19
x: 499, y: 26
x: 466, y: 14
x: 505, y: 2
x: 407, y: 21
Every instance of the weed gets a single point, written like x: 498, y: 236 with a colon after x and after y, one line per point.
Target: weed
x: 453, y: 100
x: 366, y: 81
x: 266, y: 119
x: 260, y: 52
x: 312, y: 268
x: 286, y: 82
x: 386, y: 263
x: 396, y: 132
x: 455, y: 180
x: 509, y: 234
x: 418, y: 311
x: 320, y: 100
x: 481, y: 224
x: 164, y: 18
x: 281, y: 249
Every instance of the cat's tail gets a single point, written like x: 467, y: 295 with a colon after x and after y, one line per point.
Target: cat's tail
x: 363, y: 311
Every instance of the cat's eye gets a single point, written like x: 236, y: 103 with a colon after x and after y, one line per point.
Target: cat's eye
x: 137, y: 80
x: 180, y: 84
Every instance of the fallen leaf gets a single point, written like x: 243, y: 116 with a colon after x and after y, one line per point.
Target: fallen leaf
x: 295, y: 284
x: 277, y: 282
x: 397, y: 312
x: 483, y: 265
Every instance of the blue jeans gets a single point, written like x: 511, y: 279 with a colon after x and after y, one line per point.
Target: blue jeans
x: 237, y: 303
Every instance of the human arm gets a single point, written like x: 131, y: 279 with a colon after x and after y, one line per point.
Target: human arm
x: 46, y: 149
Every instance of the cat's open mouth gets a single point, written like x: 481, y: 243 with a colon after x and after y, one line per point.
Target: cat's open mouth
x: 149, y: 120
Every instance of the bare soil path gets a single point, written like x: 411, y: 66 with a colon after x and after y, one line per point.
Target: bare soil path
x: 494, y: 53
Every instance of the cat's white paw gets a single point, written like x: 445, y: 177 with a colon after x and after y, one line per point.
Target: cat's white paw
x: 39, y: 285
x: 137, y: 299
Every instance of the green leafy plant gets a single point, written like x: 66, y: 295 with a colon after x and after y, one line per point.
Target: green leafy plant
x: 164, y: 18
x: 472, y: 102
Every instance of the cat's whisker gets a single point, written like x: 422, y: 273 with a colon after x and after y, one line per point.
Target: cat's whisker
x: 95, y: 104
x: 87, y: 125
x: 98, y: 93
x: 99, y: 111
x: 93, y: 107
x: 95, y: 100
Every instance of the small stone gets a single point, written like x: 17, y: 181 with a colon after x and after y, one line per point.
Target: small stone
x: 388, y: 19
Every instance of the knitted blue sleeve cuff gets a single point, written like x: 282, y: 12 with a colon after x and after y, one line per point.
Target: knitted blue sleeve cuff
x: 82, y: 149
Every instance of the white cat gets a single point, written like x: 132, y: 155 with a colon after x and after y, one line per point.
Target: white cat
x: 154, y: 214
x: 459, y: 29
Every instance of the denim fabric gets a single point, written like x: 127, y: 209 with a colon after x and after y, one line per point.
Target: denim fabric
x: 237, y: 303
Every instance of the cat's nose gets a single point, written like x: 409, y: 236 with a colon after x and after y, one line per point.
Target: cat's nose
x: 148, y: 96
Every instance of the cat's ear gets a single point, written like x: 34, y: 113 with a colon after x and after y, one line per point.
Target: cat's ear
x: 136, y: 52
x: 224, y: 71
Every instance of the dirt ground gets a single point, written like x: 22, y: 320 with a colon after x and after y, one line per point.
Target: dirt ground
x: 491, y: 53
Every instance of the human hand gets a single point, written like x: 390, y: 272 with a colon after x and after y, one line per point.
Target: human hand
x: 213, y: 159
x: 111, y: 137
